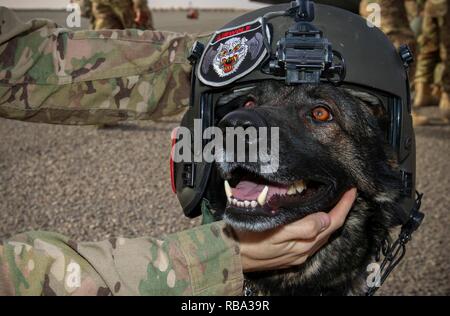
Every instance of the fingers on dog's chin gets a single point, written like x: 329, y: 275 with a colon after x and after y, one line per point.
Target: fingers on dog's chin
x: 345, y: 204
x: 310, y: 226
x: 351, y: 194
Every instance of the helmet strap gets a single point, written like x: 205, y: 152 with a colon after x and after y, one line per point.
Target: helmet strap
x: 394, y: 253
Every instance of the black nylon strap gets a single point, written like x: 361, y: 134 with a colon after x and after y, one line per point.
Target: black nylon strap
x: 394, y: 253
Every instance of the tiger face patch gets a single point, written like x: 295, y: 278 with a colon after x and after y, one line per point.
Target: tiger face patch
x: 230, y: 56
x: 232, y: 53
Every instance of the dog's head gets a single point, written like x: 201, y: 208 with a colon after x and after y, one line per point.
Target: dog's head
x: 330, y: 139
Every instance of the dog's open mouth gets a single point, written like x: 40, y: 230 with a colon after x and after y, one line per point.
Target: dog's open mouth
x: 255, y: 194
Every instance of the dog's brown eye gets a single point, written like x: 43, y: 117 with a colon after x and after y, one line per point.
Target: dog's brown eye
x: 249, y: 104
x: 322, y: 114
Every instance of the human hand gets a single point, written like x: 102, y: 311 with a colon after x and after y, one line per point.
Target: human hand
x: 293, y: 244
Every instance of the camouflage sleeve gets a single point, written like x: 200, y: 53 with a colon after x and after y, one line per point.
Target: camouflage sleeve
x: 53, y: 75
x: 201, y: 261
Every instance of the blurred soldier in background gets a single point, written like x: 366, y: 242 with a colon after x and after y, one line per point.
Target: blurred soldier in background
x: 395, y: 24
x: 117, y: 14
x: 394, y: 21
x: 433, y: 62
x: 414, y: 10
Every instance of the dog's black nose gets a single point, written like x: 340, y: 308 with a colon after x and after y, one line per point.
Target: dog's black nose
x: 243, y: 118
x: 248, y: 120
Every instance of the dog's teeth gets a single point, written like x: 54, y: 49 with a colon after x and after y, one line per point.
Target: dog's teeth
x: 234, y: 202
x: 297, y: 187
x: 292, y: 190
x: 254, y: 204
x: 241, y: 204
x: 300, y: 186
x: 228, y: 191
x: 247, y: 203
x: 263, y: 195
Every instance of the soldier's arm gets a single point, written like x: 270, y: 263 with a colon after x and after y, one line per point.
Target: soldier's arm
x: 53, y: 75
x: 201, y: 261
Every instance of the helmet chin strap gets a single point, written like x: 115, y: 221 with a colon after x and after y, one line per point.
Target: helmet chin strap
x: 394, y: 253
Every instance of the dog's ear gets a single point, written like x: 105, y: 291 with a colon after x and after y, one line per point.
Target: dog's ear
x: 372, y: 104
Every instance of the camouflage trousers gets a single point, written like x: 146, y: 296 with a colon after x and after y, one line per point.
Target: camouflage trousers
x: 433, y: 62
x: 414, y: 9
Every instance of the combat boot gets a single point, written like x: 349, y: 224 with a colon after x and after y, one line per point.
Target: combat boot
x: 424, y: 96
x: 444, y: 106
x: 419, y: 120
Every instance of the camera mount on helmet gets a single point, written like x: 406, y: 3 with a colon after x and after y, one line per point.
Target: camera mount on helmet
x: 304, y: 55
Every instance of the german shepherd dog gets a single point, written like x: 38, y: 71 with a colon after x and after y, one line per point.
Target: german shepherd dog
x: 330, y: 140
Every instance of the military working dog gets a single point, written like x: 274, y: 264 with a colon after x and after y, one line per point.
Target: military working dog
x: 330, y: 140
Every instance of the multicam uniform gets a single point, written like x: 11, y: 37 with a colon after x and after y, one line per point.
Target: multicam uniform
x: 395, y: 23
x: 414, y: 10
x: 53, y: 75
x: 200, y: 261
x: 433, y: 60
x: 434, y: 44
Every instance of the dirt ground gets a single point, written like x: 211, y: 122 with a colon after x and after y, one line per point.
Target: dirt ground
x: 92, y: 183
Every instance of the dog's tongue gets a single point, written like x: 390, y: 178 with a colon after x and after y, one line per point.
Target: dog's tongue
x: 249, y: 191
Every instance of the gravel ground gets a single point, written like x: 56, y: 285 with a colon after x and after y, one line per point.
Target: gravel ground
x: 92, y: 183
